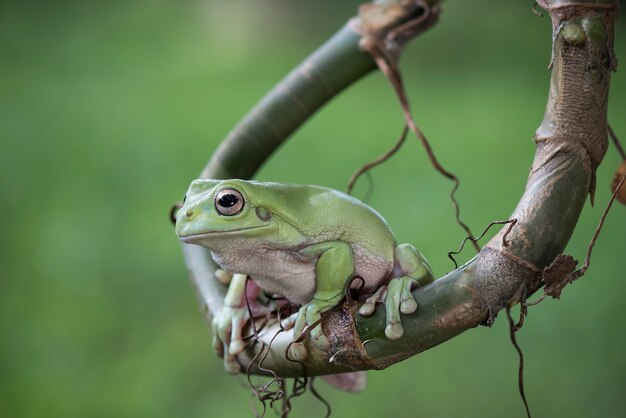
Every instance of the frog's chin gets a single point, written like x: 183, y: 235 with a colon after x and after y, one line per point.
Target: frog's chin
x: 196, y: 238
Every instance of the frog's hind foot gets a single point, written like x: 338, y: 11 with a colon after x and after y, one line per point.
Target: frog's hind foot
x: 397, y: 298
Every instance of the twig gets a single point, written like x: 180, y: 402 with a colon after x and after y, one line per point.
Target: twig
x: 366, y: 167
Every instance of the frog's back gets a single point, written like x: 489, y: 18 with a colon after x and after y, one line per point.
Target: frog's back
x: 322, y: 215
x: 326, y: 215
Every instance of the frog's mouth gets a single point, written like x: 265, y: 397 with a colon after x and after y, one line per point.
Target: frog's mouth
x: 193, y: 238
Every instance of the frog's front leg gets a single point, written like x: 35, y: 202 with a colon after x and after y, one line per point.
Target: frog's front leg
x: 411, y: 270
x: 229, y: 322
x: 334, y: 266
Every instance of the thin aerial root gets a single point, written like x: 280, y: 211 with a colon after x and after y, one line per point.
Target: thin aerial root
x: 621, y: 169
x: 370, y: 187
x: 585, y: 265
x: 523, y: 310
x: 616, y: 142
x: 366, y: 167
x: 300, y: 384
x: 388, y: 66
x: 537, y: 302
x: 512, y: 330
x: 264, y: 394
x: 506, y: 243
x: 535, y: 10
x: 352, y: 293
x: 320, y: 398
x: 262, y: 359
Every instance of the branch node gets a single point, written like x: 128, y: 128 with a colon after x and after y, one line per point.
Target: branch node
x: 394, y: 24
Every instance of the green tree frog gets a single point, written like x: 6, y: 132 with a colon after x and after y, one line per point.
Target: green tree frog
x: 302, y: 242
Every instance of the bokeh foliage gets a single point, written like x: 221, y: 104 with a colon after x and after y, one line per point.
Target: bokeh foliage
x: 109, y: 109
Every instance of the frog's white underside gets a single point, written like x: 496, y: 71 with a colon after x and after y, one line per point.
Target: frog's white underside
x: 288, y: 273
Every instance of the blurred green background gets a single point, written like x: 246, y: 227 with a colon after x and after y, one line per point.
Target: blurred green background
x: 109, y: 109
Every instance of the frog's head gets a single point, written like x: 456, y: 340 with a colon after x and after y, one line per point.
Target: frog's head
x: 218, y: 210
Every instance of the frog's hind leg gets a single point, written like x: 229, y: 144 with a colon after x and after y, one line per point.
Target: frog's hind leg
x: 409, y: 262
x: 411, y: 270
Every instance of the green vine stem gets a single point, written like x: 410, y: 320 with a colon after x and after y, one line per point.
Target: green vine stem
x: 571, y: 143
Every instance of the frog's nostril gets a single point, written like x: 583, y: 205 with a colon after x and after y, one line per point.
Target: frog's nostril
x: 189, y: 213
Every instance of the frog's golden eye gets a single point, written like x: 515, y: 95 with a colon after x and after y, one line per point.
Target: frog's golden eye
x: 228, y: 202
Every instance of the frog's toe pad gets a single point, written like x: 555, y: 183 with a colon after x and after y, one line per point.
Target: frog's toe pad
x: 218, y: 347
x: 408, y: 306
x: 223, y: 276
x: 394, y: 331
x: 367, y: 309
x: 236, y: 347
x: 369, y: 306
x: 321, y: 341
x: 288, y: 322
x: 232, y: 366
x: 297, y: 352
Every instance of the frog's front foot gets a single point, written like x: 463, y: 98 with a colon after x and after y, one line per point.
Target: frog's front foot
x: 397, y: 298
x: 413, y: 271
x: 309, y: 315
x: 227, y: 335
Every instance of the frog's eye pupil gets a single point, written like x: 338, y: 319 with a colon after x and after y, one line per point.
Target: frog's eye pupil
x: 228, y: 202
